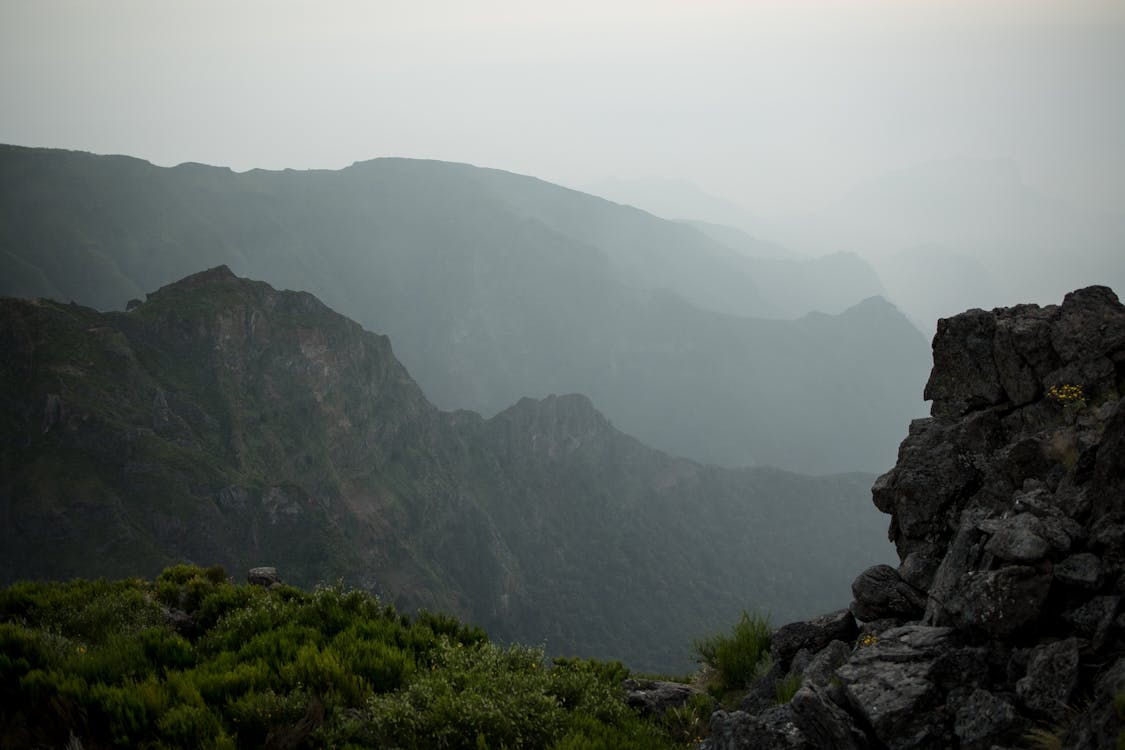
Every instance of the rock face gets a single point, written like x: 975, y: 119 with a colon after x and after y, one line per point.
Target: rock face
x: 1007, y: 509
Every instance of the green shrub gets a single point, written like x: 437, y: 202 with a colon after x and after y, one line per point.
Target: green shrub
x: 165, y: 649
x: 736, y: 657
x: 384, y: 666
x: 118, y: 713
x: 691, y: 722
x: 223, y: 600
x: 330, y: 668
x: 186, y: 726
x: 479, y: 693
x: 21, y: 650
x: 451, y: 627
x: 786, y: 688
x: 118, y: 658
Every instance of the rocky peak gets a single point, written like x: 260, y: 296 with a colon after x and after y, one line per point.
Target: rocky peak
x: 1007, y: 508
x: 551, y: 427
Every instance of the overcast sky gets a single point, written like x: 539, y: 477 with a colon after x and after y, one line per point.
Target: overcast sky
x: 777, y: 105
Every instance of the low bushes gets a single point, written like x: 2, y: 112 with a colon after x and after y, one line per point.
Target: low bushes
x: 740, y: 656
x: 249, y: 667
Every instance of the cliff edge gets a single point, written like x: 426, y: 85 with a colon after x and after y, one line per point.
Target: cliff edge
x: 1002, y: 625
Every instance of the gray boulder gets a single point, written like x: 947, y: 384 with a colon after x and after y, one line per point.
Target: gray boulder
x: 772, y: 729
x: 892, y: 685
x: 1052, y: 675
x: 263, y: 576
x: 655, y: 697
x: 880, y: 593
x: 812, y: 634
x: 983, y: 720
x: 821, y: 668
x: 1083, y: 570
x: 825, y: 724
x: 996, y: 603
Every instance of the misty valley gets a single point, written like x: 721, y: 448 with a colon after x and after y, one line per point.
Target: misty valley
x: 509, y: 465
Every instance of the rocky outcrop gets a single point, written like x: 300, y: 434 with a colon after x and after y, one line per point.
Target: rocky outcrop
x: 656, y: 697
x: 1007, y: 509
x: 264, y: 576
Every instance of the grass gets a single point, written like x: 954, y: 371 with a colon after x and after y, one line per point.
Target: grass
x: 737, y: 658
x: 787, y: 687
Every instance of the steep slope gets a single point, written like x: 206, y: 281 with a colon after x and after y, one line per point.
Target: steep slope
x: 223, y: 421
x: 493, y: 286
x: 1002, y: 626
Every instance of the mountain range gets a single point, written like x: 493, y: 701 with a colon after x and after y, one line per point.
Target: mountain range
x: 496, y: 286
x: 222, y: 421
x: 964, y: 232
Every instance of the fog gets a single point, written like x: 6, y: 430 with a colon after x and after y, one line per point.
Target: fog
x: 784, y: 112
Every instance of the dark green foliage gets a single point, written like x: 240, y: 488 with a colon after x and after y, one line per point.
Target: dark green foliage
x: 692, y: 721
x: 284, y: 667
x: 787, y: 687
x: 1119, y: 708
x: 736, y: 657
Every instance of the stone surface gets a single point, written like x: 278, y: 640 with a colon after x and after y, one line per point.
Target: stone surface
x: 965, y: 376
x: 1008, y: 513
x: 821, y: 668
x: 772, y: 729
x: 1094, y: 619
x: 890, y: 684
x: 880, y: 592
x: 983, y: 720
x: 1052, y: 675
x: 655, y: 697
x: 1102, y: 725
x: 1017, y: 539
x: 263, y: 576
x: 825, y: 724
x: 997, y: 603
x: 812, y: 634
x: 762, y: 693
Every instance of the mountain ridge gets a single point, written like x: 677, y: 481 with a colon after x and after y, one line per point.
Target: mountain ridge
x: 493, y: 287
x: 222, y: 421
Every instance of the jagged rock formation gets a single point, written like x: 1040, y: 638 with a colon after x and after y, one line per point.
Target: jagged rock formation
x: 222, y: 421
x: 1008, y: 512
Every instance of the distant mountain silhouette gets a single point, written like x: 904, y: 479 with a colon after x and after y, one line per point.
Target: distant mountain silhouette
x: 495, y: 286
x: 971, y: 228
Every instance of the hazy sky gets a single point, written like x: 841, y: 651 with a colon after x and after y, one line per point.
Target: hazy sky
x: 777, y: 105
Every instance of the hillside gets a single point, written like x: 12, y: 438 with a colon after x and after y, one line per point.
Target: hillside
x: 496, y: 286
x: 221, y: 421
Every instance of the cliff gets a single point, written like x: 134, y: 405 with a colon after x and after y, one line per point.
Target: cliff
x: 223, y: 421
x: 1002, y: 623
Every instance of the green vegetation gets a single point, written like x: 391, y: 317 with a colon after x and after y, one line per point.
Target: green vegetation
x: 101, y: 662
x: 1119, y: 708
x: 787, y: 687
x: 169, y: 433
x: 737, y: 658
